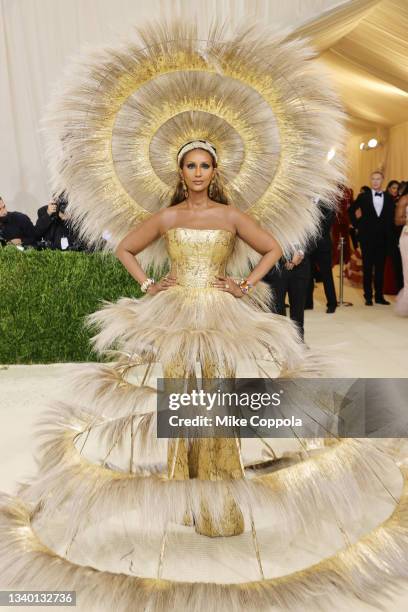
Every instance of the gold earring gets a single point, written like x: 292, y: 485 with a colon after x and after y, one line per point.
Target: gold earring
x: 185, y: 189
x: 211, y: 186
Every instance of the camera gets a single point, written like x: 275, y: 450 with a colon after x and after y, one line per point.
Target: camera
x: 43, y: 244
x: 62, y: 202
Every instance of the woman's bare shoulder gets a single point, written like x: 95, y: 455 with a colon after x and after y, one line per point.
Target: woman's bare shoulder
x: 236, y: 214
x: 159, y: 220
x: 168, y: 213
x: 168, y: 217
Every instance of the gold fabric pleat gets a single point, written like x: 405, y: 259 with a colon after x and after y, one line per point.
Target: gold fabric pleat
x: 207, y: 459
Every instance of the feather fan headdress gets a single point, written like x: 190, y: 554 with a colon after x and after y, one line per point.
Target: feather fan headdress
x: 121, y: 115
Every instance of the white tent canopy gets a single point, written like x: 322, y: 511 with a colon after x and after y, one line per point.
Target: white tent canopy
x: 363, y: 42
x: 366, y: 47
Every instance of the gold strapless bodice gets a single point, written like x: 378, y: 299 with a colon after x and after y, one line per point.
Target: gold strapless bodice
x: 198, y: 255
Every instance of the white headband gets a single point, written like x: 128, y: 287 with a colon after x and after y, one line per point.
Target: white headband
x: 197, y: 144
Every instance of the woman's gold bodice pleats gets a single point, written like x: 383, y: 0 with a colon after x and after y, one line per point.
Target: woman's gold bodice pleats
x: 198, y: 255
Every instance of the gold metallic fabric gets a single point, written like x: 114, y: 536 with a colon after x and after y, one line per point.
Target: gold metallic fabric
x: 198, y: 256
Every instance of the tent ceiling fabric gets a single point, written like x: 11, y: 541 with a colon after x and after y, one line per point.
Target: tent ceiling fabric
x: 365, y: 46
x: 380, y: 43
x: 333, y: 25
x: 366, y: 96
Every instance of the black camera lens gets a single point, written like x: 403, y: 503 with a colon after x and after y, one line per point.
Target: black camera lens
x: 61, y: 203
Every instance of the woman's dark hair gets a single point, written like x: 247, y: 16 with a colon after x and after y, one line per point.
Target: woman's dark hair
x: 391, y: 183
x: 403, y: 188
x: 218, y: 192
x: 364, y: 189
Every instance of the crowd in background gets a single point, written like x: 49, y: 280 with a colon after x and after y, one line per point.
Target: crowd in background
x: 51, y: 230
x: 393, y: 273
x: 369, y: 229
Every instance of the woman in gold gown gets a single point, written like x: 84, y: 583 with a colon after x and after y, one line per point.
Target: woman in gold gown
x: 114, y: 131
x: 197, y: 314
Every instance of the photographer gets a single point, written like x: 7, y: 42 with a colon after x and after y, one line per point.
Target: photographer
x: 53, y: 228
x: 15, y: 227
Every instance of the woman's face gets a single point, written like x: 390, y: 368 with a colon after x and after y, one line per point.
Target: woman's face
x: 393, y: 189
x: 197, y: 170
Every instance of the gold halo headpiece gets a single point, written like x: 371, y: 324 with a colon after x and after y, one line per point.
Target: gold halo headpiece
x: 121, y: 115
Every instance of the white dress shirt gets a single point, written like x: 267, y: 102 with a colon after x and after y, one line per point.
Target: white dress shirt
x: 378, y: 201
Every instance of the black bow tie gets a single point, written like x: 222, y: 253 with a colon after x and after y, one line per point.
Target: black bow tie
x: 378, y: 193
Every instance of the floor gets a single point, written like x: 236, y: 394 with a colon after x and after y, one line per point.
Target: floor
x: 367, y: 342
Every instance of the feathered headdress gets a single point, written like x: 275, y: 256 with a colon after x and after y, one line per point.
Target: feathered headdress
x: 121, y: 115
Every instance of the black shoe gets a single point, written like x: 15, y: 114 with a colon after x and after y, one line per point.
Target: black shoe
x: 369, y: 302
x: 382, y: 301
x: 331, y: 309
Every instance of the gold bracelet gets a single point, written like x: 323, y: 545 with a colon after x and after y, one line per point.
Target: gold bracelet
x: 245, y: 286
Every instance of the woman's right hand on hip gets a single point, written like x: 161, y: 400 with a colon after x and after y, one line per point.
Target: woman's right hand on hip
x: 164, y: 283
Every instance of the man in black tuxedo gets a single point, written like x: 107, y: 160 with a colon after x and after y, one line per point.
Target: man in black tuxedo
x: 372, y: 215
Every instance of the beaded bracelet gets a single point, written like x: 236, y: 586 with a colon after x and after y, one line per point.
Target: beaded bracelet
x: 146, y: 284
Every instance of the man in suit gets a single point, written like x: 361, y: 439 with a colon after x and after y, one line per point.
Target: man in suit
x: 290, y: 276
x: 321, y: 257
x: 372, y: 215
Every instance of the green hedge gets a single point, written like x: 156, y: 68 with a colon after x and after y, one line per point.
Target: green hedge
x: 45, y: 296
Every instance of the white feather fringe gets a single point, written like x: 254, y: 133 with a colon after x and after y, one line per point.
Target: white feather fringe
x: 207, y: 326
